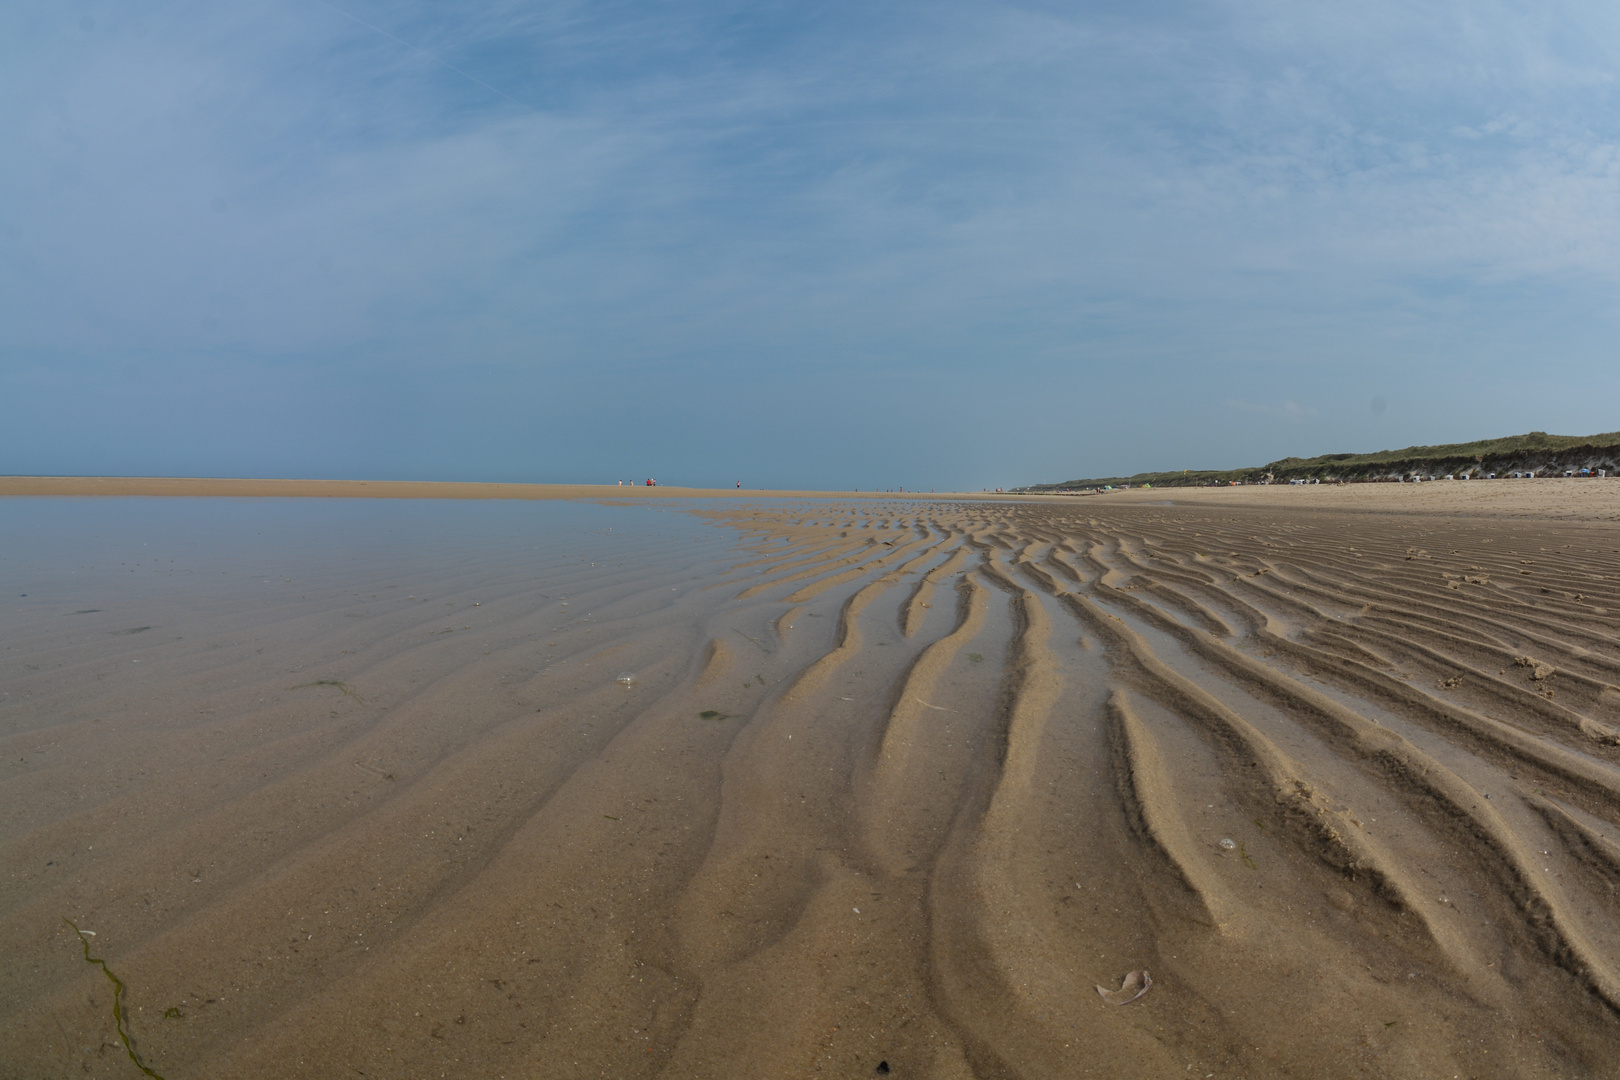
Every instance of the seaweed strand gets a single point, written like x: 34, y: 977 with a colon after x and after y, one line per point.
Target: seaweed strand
x: 118, y: 1000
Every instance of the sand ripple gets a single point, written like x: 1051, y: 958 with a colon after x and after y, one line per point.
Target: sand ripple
x: 910, y: 783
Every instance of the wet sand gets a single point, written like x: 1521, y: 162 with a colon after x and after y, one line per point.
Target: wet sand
x: 376, y: 489
x: 343, y: 788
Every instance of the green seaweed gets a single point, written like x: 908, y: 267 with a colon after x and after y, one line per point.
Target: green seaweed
x: 343, y: 686
x: 173, y: 1013
x: 755, y: 641
x: 120, y: 1014
x: 714, y: 714
x: 610, y: 817
x: 1248, y: 860
x: 977, y: 658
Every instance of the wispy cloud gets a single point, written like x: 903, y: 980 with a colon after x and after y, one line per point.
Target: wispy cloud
x: 753, y: 199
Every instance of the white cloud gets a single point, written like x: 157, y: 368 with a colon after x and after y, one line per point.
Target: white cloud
x: 1203, y: 190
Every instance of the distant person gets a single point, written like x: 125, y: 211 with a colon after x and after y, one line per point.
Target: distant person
x: 739, y: 485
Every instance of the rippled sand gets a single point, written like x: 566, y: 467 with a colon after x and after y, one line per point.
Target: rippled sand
x: 896, y: 786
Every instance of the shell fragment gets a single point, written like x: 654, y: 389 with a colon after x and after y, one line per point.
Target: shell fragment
x: 1134, y: 986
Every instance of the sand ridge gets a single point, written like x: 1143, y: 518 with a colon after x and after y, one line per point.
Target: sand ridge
x: 897, y: 783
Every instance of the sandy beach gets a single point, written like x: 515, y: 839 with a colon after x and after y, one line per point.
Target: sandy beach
x: 589, y: 784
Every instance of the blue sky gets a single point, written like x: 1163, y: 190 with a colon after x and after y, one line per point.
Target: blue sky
x: 798, y: 245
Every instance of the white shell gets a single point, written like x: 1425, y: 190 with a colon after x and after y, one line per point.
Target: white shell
x: 1131, y: 987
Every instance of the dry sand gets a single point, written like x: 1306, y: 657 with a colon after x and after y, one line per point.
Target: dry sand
x: 896, y: 786
x: 1571, y: 499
